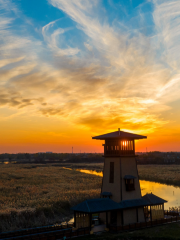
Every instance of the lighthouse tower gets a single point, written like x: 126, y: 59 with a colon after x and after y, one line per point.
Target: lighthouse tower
x: 120, y: 203
x: 120, y: 176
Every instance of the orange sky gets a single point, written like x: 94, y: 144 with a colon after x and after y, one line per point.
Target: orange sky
x: 46, y: 134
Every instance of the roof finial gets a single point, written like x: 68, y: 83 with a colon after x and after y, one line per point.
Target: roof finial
x: 119, y: 130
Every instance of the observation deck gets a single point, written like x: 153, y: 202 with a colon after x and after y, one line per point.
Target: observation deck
x: 119, y: 143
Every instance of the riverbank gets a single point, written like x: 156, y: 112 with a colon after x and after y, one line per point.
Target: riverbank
x: 165, y: 174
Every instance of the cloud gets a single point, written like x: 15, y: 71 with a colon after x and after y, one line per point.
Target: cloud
x: 51, y: 111
x: 14, y: 101
x: 7, y: 61
x: 52, y: 39
x: 132, y: 66
x: 113, y: 76
x: 6, y: 75
x: 88, y: 46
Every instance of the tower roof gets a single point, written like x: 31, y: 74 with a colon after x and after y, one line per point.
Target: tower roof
x: 153, y: 199
x: 119, y: 135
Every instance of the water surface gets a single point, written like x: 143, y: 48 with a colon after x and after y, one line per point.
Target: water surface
x: 167, y: 192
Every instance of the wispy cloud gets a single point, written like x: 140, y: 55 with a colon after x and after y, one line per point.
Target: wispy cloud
x: 114, y: 75
x: 53, y: 40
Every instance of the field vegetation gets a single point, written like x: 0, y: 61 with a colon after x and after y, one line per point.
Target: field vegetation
x: 35, y: 195
x: 41, y: 194
x: 167, y: 174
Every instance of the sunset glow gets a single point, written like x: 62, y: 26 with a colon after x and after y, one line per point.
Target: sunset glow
x: 73, y: 69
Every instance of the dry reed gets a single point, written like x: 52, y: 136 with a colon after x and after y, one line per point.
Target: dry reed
x: 41, y: 193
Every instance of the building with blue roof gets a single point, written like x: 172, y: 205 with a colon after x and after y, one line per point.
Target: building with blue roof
x: 120, y: 201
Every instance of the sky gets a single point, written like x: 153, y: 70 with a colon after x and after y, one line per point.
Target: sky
x: 73, y: 69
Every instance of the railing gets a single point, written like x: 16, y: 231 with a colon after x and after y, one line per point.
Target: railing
x: 67, y: 230
x: 140, y: 225
x: 51, y: 235
x: 171, y: 213
x: 119, y: 152
x: 37, y: 230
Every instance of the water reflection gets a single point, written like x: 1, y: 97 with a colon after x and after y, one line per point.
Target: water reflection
x: 167, y: 192
x: 90, y: 172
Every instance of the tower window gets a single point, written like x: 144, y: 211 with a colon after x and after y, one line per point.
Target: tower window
x: 129, y: 181
x: 111, y: 178
x: 129, y: 184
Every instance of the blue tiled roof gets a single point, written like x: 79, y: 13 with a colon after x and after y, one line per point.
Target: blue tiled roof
x: 107, y: 204
x: 153, y: 199
x: 96, y: 205
x: 133, y: 203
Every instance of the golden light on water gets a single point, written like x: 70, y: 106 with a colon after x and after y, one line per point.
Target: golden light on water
x: 91, y: 172
x: 167, y: 192
x: 100, y: 174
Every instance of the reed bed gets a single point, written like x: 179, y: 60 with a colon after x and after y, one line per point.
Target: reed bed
x: 167, y: 174
x: 40, y: 194
x: 35, y: 195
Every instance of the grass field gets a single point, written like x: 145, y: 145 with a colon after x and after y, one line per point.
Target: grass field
x: 34, y: 195
x: 168, y: 174
x: 40, y: 194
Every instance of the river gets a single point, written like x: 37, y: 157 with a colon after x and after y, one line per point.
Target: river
x: 167, y: 192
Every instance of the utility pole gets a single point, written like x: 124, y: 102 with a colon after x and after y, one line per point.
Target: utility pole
x: 72, y: 150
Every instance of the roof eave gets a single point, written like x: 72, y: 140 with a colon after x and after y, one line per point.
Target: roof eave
x: 132, y: 138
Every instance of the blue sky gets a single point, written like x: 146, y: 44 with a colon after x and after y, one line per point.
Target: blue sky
x: 125, y: 15
x: 89, y: 64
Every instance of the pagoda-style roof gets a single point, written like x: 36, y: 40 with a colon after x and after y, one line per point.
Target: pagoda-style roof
x: 153, y: 199
x: 96, y: 205
x: 106, y: 204
x: 119, y: 135
x: 131, y: 203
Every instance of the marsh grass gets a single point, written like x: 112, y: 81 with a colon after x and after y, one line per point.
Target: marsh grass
x: 41, y: 194
x: 167, y: 174
x: 35, y: 195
